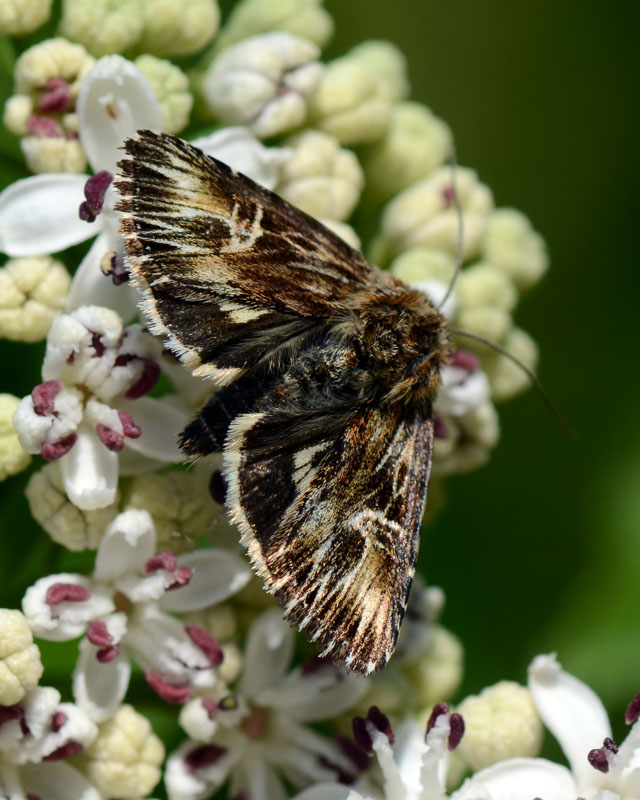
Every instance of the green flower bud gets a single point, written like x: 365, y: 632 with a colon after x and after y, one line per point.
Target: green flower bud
x: 18, y: 17
x: 424, y: 264
x: 321, y: 178
x: 512, y: 245
x: 177, y: 29
x: 304, y: 18
x: 483, y: 284
x: 387, y: 64
x: 171, y: 88
x: 506, y: 378
x: 103, y: 26
x: 415, y: 144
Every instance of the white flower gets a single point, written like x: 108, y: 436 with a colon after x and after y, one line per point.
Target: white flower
x: 122, y: 608
x: 39, y: 215
x: 259, y: 734
x: 91, y: 404
x: 415, y: 769
x: 599, y: 769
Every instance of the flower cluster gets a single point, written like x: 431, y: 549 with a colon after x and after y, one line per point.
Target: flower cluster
x: 149, y: 577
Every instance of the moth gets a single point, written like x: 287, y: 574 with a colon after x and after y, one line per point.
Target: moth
x: 326, y: 369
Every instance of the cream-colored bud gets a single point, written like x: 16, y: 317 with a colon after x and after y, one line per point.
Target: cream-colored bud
x: 18, y: 17
x: 488, y: 321
x: 13, y: 459
x: 180, y: 506
x: 344, y: 231
x: 103, y: 26
x: 125, y: 760
x: 350, y: 103
x: 53, y: 58
x: 320, y: 177
x: 387, y: 64
x: 264, y: 82
x: 511, y: 244
x: 305, y: 18
x: 17, y: 111
x: 418, y: 264
x: 500, y: 723
x: 232, y: 662
x: 177, y: 29
x: 437, y: 673
x: 32, y: 292
x: 482, y: 284
x: 53, y: 154
x: 67, y: 524
x: 20, y: 664
x: 414, y: 145
x: 171, y: 88
x: 506, y: 378
x: 425, y: 214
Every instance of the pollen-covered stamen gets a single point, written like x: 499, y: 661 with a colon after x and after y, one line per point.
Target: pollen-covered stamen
x: 218, y: 487
x: 51, y: 451
x: 94, y: 190
x: 70, y: 748
x: 56, y: 97
x: 43, y: 396
x: 204, y: 641
x: 166, y: 690
x: 111, y: 439
x: 129, y: 428
x: 633, y: 710
x: 112, y: 266
x: 601, y: 757
x: 66, y: 593
x: 148, y: 377
x: 58, y: 720
x: 203, y: 756
x: 44, y: 127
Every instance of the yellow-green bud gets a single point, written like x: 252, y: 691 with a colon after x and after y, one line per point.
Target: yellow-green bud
x: 32, y: 292
x: 320, y: 177
x: 20, y: 664
x: 418, y: 264
x: 177, y: 29
x: 500, y: 723
x: 305, y: 18
x: 67, y: 524
x: 483, y: 284
x: 13, y: 459
x: 488, y: 321
x: 387, y: 64
x: 511, y: 244
x: 506, y: 378
x: 103, y: 26
x: 171, y: 87
x: 436, y: 675
x: 18, y: 17
x: 415, y: 144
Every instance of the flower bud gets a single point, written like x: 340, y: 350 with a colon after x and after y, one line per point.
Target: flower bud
x: 18, y: 17
x: 419, y: 264
x: 20, y: 664
x: 177, y: 29
x: 321, y: 178
x: 512, y: 245
x: 387, y: 64
x: 13, y: 459
x: 438, y: 671
x: 264, y: 82
x: 506, y: 378
x: 105, y: 27
x: 171, y: 88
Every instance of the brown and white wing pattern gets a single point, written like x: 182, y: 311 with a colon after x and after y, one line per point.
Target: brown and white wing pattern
x: 230, y: 272
x: 330, y: 512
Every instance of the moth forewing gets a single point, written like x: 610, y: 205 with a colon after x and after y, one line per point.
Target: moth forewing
x: 328, y: 369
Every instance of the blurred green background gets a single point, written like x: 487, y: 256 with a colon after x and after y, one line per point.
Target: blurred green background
x: 538, y: 551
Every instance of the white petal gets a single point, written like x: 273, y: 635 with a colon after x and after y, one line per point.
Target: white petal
x: 329, y: 791
x: 571, y: 711
x: 129, y: 540
x: 185, y: 784
x: 90, y: 287
x: 461, y: 391
x: 57, y: 780
x: 311, y: 698
x: 161, y: 424
x: 39, y: 215
x: 519, y: 779
x: 115, y: 99
x: 100, y: 688
x: 238, y: 148
x: 268, y: 653
x: 90, y: 472
x: 217, y: 574
x: 255, y: 778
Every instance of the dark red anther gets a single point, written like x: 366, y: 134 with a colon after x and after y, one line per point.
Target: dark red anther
x: 66, y: 593
x: 361, y: 735
x: 108, y: 654
x: 456, y: 730
x: 203, y: 756
x: 381, y: 722
x: 57, y: 97
x: 165, y: 690
x: 94, y: 190
x: 51, y: 451
x: 129, y: 428
x: 218, y: 487
x: 97, y: 344
x: 98, y: 633
x: 111, y: 439
x: 353, y: 752
x: 58, y: 720
x: 165, y: 560
x: 438, y: 710
x: 43, y: 396
x: 204, y: 641
x: 9, y: 713
x: 182, y: 577
x: 149, y: 376
x: 633, y: 710
x: 70, y: 748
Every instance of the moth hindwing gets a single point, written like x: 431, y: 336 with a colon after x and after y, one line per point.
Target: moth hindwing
x: 326, y: 368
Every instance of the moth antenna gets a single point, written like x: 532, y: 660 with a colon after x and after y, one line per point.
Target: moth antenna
x: 529, y: 373
x: 459, y: 215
